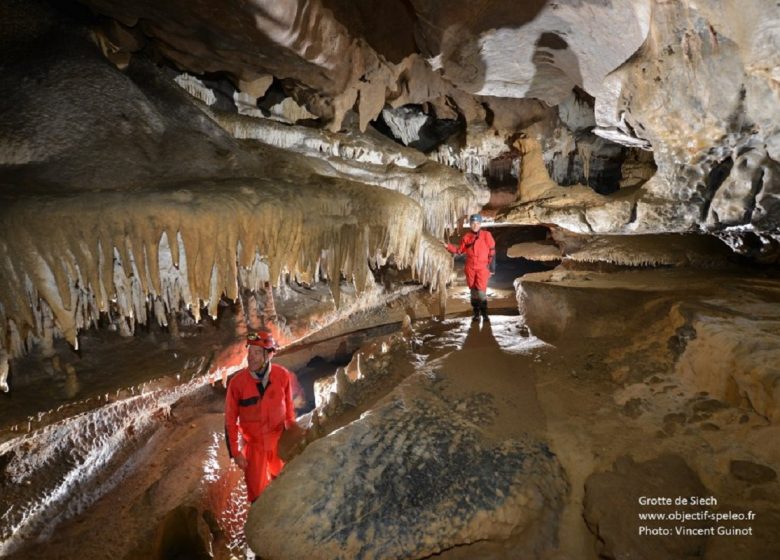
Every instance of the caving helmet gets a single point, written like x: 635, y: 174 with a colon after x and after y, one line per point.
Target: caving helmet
x: 262, y: 338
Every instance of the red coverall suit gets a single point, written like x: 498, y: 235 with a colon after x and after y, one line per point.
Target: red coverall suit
x: 260, y: 416
x: 480, y: 251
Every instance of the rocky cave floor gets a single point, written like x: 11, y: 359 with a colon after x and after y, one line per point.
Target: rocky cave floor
x: 171, y: 174
x: 606, y: 395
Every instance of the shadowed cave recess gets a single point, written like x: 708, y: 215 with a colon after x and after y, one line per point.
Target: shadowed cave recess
x: 175, y: 174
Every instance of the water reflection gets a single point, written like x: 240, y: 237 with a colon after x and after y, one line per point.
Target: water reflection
x: 61, y: 468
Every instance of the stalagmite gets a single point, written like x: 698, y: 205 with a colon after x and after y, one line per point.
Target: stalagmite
x: 353, y: 369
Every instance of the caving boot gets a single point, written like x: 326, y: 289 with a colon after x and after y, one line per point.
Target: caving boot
x: 483, y: 310
x: 475, y: 306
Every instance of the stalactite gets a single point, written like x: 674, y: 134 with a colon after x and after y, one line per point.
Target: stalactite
x: 46, y: 343
x: 196, y: 88
x: 269, y: 310
x: 160, y: 314
x: 467, y: 160
x: 15, y: 343
x: 253, y: 320
x: 585, y: 151
x: 173, y: 325
x: 445, y: 194
x: 161, y: 253
x: 4, y: 357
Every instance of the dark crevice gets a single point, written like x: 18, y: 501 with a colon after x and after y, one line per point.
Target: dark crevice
x: 432, y: 134
x: 713, y: 182
x: 584, y: 96
x: 755, y: 187
x: 489, y: 116
x: 552, y: 41
x: 632, y: 218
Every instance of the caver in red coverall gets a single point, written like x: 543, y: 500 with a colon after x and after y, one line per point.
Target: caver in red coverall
x: 260, y: 415
x: 480, y: 249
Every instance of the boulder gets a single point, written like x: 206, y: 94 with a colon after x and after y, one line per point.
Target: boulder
x: 409, y: 479
x: 613, y: 503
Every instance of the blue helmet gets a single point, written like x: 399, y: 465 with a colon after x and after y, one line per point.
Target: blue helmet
x: 475, y: 218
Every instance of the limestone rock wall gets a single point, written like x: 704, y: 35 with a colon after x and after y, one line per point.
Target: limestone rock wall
x: 715, y: 331
x: 702, y: 92
x: 548, y: 93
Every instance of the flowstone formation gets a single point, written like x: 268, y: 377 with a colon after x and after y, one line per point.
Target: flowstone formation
x: 83, y: 252
x: 457, y: 84
x: 721, y: 339
x: 677, y: 354
x: 716, y: 146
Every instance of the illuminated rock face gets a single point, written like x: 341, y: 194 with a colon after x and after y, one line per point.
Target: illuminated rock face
x: 411, y: 478
x: 138, y: 204
x: 699, y: 95
x: 702, y: 96
x: 729, y: 354
x: 495, y: 49
x: 159, y: 158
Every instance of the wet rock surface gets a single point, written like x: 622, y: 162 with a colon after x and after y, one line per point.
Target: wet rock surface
x: 136, y: 473
x: 657, y: 402
x: 127, y: 187
x: 494, y: 395
x: 721, y: 341
x: 413, y: 477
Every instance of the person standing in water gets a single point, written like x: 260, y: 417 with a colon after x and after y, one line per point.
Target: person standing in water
x: 480, y: 250
x: 258, y: 409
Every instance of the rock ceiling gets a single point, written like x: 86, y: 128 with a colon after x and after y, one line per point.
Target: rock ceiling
x: 402, y: 52
x: 600, y: 116
x: 694, y: 82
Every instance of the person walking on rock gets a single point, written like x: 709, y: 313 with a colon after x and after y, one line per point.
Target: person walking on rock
x: 480, y: 249
x: 258, y: 407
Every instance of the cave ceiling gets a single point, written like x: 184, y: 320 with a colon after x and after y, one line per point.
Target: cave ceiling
x: 595, y: 116
x: 694, y: 83
x: 337, y: 50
